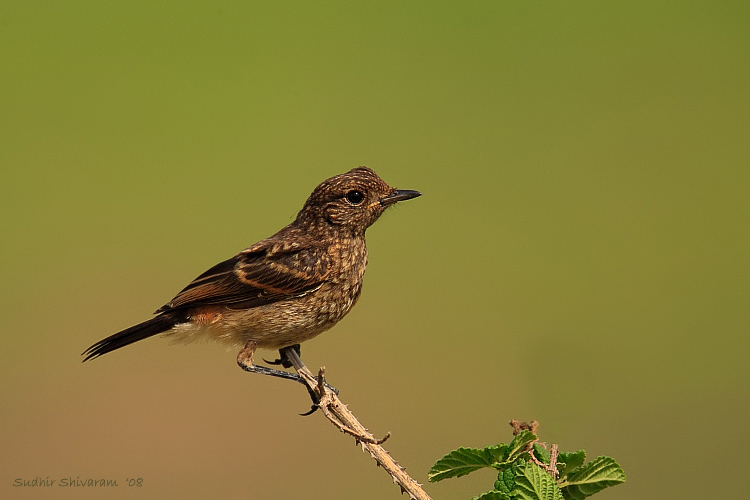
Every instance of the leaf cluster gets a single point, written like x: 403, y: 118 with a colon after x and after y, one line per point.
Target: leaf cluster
x: 520, y: 477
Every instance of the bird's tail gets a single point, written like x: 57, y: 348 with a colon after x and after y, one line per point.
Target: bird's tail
x: 141, y: 331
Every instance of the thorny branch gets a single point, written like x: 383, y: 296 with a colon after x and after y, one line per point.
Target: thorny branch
x: 340, y: 416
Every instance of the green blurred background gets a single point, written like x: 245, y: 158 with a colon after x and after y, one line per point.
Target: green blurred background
x: 579, y: 256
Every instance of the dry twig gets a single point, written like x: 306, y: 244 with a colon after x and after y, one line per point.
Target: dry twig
x: 340, y: 416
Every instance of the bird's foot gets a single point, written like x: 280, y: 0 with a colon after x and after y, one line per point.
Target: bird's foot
x: 283, y: 359
x: 245, y: 361
x: 322, y: 387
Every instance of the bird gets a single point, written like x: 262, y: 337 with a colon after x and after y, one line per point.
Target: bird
x: 285, y: 289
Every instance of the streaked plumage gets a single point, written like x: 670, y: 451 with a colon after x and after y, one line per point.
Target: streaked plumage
x: 287, y: 288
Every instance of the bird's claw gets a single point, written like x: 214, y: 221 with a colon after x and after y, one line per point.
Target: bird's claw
x: 316, y: 399
x: 274, y: 362
x: 283, y: 358
x: 313, y: 409
x: 316, y: 402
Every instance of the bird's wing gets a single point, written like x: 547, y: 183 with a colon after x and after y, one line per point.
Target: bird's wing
x: 264, y: 273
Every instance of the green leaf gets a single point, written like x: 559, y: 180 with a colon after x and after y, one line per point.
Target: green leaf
x: 493, y: 495
x: 497, y: 452
x: 566, y: 462
x: 465, y: 460
x: 506, y: 481
x: 517, y: 447
x: 541, y: 453
x: 536, y: 483
x: 592, y: 478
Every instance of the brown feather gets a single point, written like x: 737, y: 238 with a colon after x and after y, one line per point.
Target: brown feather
x: 257, y: 276
x: 285, y: 289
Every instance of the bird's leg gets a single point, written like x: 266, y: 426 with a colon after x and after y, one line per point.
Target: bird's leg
x: 283, y: 359
x: 287, y: 360
x: 245, y: 360
x: 291, y: 355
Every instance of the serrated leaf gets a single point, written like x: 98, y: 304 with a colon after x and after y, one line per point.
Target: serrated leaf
x: 592, y: 478
x: 541, y: 453
x: 465, y: 460
x: 566, y: 462
x: 506, y: 481
x: 518, y: 446
x: 493, y: 495
x: 497, y: 452
x: 535, y: 483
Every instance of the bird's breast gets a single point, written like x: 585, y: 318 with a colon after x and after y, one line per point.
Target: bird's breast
x: 293, y: 320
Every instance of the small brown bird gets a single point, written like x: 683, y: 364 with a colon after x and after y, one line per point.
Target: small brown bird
x: 285, y: 289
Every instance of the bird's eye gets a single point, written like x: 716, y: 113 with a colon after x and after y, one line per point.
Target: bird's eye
x: 355, y: 197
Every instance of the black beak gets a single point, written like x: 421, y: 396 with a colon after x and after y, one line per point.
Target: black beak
x: 399, y: 195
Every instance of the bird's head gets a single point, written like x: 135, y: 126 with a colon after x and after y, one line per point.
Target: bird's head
x: 353, y: 200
